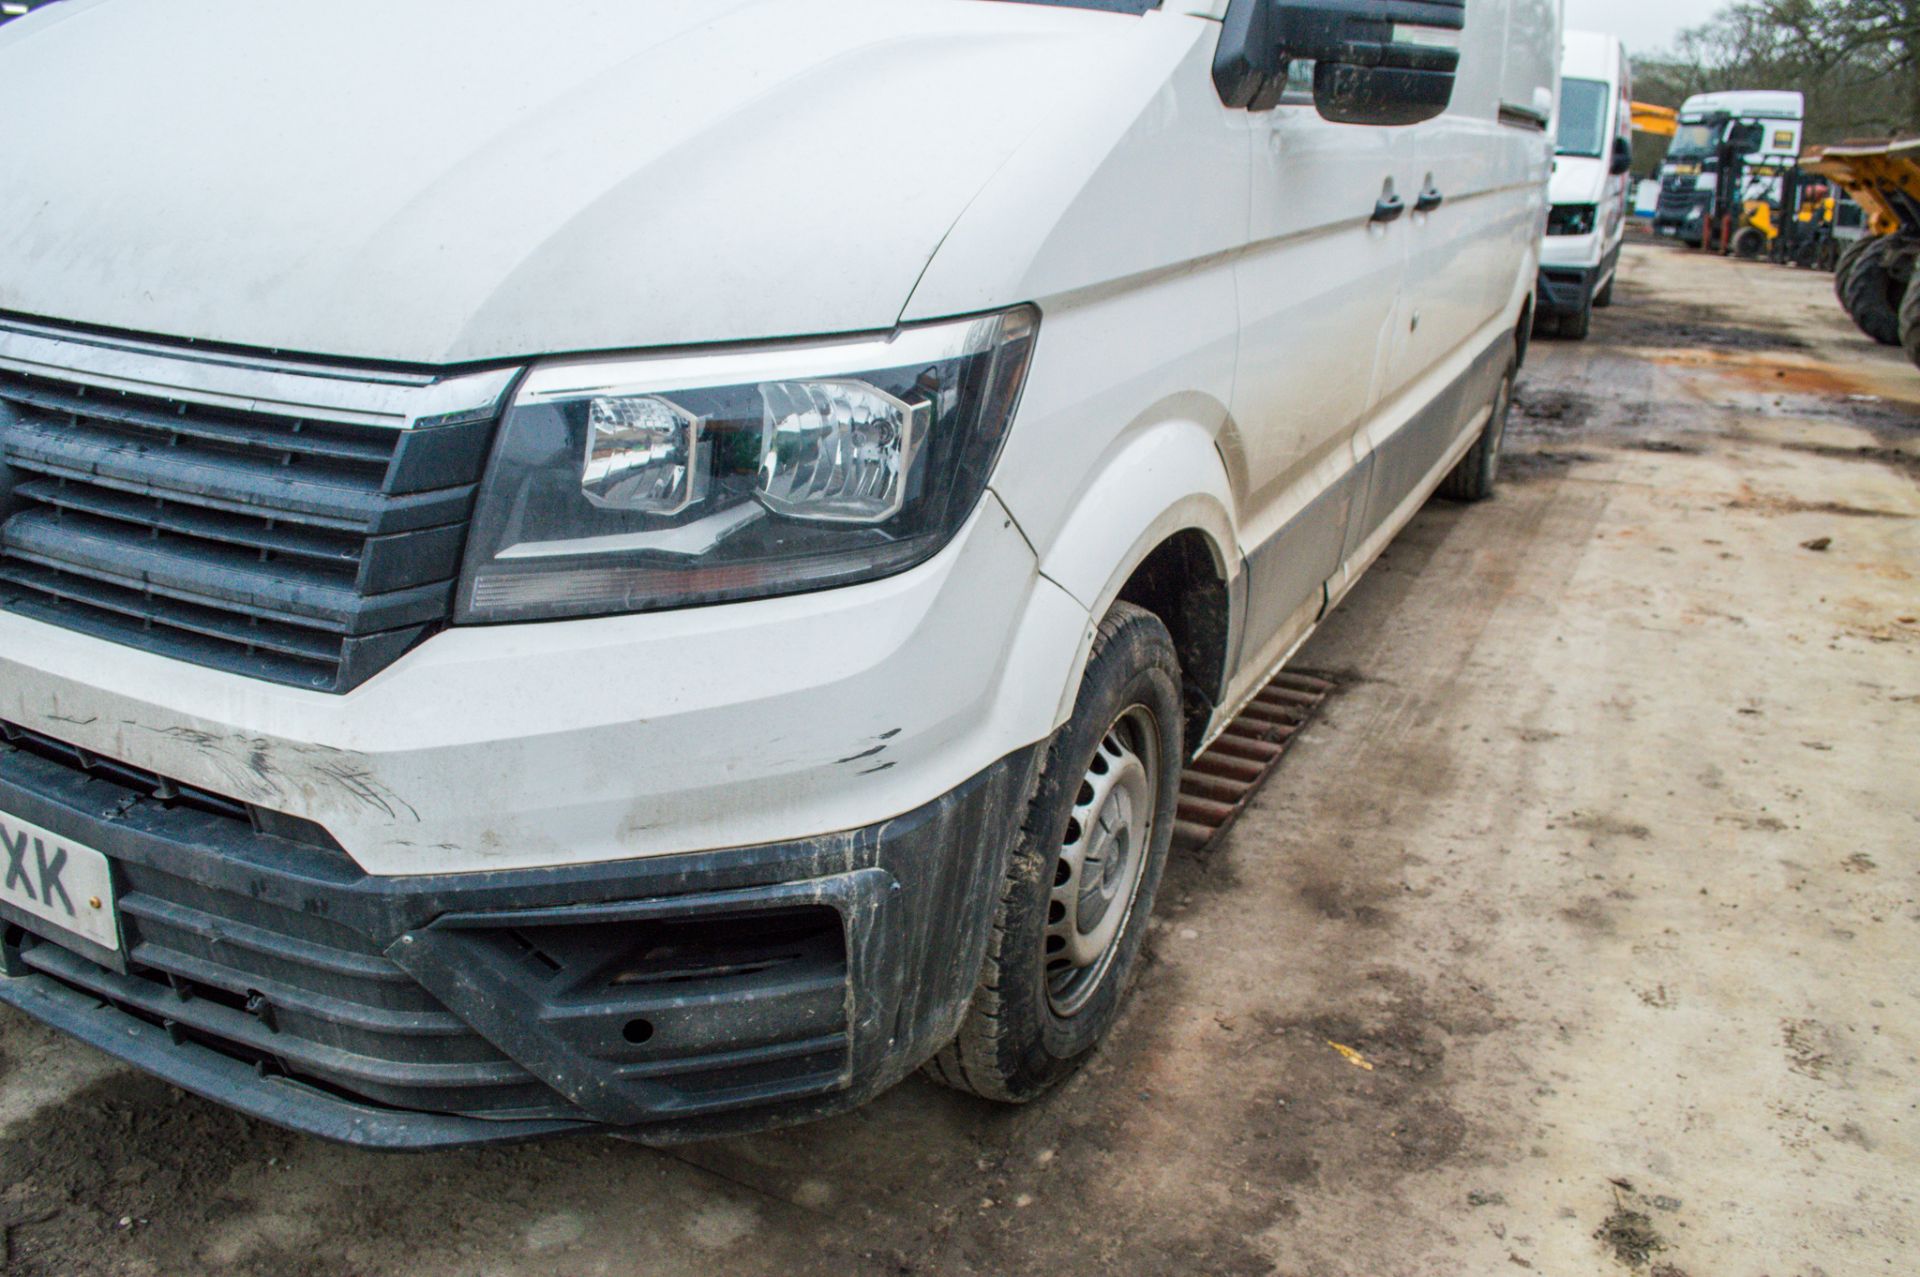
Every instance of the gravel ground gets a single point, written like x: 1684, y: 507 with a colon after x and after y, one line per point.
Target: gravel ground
x: 1602, y: 867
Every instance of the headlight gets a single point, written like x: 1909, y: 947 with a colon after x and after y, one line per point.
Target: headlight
x: 1571, y: 219
x: 633, y: 484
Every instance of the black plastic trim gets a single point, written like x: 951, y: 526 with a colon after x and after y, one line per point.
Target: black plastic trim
x: 225, y: 1080
x: 819, y: 1035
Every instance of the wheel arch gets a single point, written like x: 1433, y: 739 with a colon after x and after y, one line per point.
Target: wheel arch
x: 1156, y: 529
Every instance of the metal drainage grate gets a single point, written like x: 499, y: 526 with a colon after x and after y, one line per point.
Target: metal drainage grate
x: 1216, y: 787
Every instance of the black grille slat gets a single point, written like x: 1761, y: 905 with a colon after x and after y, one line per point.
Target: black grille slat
x: 238, y: 1027
x: 280, y: 946
x: 287, y: 996
x: 238, y: 484
x: 281, y: 654
x: 146, y: 609
x: 375, y: 565
x: 80, y: 546
x: 312, y: 550
x: 368, y: 454
x: 252, y: 532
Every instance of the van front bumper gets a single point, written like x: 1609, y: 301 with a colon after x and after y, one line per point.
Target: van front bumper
x: 1565, y: 290
x: 665, y: 999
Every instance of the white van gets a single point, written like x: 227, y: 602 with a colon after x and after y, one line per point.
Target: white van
x: 653, y: 567
x: 1690, y: 175
x: 1593, y: 155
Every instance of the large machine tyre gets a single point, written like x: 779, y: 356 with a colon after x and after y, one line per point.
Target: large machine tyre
x: 1910, y: 319
x: 1750, y: 244
x: 1844, y: 266
x: 1874, y: 288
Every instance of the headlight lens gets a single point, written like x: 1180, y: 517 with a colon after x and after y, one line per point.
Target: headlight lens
x: 634, y: 484
x: 1571, y: 219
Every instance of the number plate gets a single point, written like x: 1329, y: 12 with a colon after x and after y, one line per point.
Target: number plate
x: 58, y: 889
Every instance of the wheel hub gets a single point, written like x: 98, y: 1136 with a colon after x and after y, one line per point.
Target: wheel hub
x: 1101, y: 859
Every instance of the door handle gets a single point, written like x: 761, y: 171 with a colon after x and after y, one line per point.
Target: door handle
x: 1430, y: 199
x: 1389, y: 209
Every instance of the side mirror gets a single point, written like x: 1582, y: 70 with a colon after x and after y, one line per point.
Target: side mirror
x: 1375, y: 61
x: 1622, y: 162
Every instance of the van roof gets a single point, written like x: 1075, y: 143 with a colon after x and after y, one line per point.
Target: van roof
x: 1764, y: 103
x: 1592, y: 55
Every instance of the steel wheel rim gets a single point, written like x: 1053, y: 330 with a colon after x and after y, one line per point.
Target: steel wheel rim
x: 1102, y: 859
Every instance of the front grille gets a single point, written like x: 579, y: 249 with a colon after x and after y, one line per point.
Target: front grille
x: 1678, y: 198
x: 305, y: 544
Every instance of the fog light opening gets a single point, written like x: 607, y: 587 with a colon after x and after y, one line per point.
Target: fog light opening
x: 637, y: 1031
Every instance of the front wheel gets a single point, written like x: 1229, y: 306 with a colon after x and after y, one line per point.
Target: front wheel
x: 1576, y: 324
x: 1473, y: 477
x: 1080, y: 884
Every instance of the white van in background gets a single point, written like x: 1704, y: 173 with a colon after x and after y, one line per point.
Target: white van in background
x: 1690, y: 174
x: 654, y: 567
x: 1593, y: 153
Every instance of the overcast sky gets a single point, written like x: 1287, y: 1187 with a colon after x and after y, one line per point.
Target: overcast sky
x: 1647, y: 26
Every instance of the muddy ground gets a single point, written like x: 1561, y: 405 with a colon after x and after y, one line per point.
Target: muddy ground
x: 1604, y: 866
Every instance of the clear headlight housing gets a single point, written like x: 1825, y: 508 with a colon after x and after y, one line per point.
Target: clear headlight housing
x: 640, y: 483
x: 1572, y: 219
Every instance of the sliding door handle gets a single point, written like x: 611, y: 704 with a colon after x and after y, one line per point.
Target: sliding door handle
x: 1429, y: 200
x: 1389, y: 209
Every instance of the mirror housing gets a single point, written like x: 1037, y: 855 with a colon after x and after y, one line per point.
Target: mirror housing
x: 1371, y: 62
x: 1622, y: 162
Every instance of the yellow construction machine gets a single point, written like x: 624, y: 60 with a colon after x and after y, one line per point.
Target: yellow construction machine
x: 1876, y: 279
x: 1661, y: 121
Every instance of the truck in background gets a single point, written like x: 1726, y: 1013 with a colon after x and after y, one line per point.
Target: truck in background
x: 1593, y: 155
x: 1691, y: 195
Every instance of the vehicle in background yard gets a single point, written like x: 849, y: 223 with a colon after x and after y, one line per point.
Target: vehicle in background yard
x: 1728, y: 148
x: 1876, y: 279
x: 652, y: 568
x: 1590, y: 190
x: 11, y: 9
x: 1799, y: 230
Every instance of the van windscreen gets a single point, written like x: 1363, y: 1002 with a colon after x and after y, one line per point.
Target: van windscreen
x: 1583, y: 117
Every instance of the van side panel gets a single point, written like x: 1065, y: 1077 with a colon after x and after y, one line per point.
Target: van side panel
x: 1472, y: 260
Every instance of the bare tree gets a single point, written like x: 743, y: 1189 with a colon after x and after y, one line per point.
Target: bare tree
x: 1858, y: 61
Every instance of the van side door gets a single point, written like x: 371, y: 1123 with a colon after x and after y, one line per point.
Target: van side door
x: 1317, y: 289
x: 1475, y: 179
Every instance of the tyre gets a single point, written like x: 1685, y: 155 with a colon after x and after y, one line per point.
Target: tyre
x: 1473, y: 477
x: 1576, y: 324
x: 1844, y: 266
x: 1080, y: 883
x: 1750, y: 244
x: 1873, y: 289
x: 1604, y: 298
x: 1910, y: 319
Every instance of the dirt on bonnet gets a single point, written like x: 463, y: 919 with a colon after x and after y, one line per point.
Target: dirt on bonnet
x: 1577, y: 936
